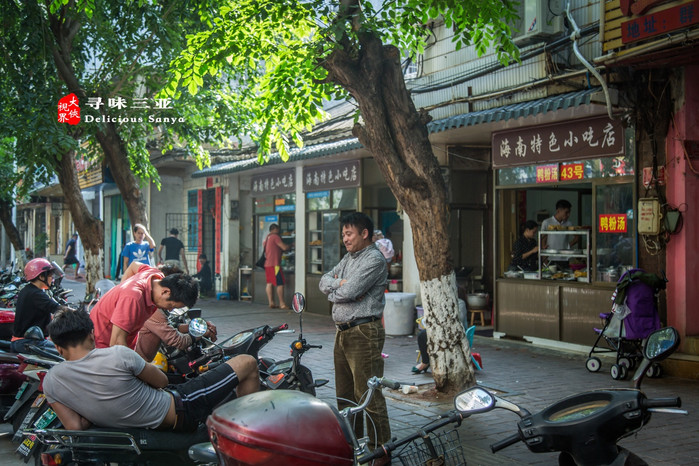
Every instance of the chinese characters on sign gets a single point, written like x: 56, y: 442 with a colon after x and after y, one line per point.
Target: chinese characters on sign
x: 120, y: 103
x: 336, y: 176
x: 546, y: 173
x: 660, y: 22
x: 612, y: 223
x: 578, y: 139
x: 573, y: 171
x: 273, y: 183
x: 69, y: 110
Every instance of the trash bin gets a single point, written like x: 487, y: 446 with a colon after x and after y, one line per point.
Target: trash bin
x: 399, y: 313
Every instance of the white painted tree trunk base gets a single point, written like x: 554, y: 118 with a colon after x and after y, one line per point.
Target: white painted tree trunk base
x: 450, y: 355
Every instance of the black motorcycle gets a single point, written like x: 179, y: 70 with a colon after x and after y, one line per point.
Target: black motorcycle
x: 149, y: 447
x: 585, y: 428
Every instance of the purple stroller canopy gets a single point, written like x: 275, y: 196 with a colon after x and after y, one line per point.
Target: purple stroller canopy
x: 637, y: 289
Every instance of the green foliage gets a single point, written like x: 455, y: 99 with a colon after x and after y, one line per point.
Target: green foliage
x: 268, y: 54
x: 120, y: 50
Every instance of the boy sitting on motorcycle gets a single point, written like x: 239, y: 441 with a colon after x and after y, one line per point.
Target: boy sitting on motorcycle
x: 115, y: 387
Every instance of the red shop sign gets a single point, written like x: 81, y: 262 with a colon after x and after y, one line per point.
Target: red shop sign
x: 612, y: 223
x: 547, y: 173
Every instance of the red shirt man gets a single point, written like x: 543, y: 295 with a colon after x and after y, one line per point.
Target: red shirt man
x: 121, y: 312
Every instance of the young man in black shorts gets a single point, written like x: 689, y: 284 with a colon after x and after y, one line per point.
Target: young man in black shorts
x: 115, y: 387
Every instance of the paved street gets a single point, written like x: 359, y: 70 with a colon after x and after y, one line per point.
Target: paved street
x: 534, y: 377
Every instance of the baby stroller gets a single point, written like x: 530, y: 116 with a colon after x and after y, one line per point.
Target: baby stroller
x: 633, y: 317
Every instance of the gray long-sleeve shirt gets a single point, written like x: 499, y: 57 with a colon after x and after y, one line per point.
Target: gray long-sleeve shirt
x: 362, y: 295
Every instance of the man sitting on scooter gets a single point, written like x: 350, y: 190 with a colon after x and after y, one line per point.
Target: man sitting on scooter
x: 34, y: 307
x: 115, y: 387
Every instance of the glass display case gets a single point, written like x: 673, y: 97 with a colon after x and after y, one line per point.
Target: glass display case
x: 325, y: 247
x: 572, y: 263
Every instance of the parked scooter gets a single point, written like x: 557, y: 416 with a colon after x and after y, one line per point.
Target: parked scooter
x: 282, y: 427
x: 586, y: 427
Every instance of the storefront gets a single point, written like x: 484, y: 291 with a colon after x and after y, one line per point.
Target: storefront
x: 274, y: 202
x: 331, y: 191
x: 589, y: 163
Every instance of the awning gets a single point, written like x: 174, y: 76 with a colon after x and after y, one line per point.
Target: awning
x: 504, y: 113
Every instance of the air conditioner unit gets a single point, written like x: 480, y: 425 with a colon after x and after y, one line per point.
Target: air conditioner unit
x: 539, y: 20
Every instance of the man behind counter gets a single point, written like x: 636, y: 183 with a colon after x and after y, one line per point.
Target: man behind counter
x: 559, y: 221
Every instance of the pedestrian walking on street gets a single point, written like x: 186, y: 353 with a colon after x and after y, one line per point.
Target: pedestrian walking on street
x: 138, y: 250
x: 356, y: 288
x: 174, y: 251
x: 70, y: 257
x: 273, y: 247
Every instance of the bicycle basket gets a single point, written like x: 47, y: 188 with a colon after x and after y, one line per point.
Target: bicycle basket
x: 418, y: 452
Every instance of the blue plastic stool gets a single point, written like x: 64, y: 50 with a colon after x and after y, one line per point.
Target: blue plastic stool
x: 221, y: 296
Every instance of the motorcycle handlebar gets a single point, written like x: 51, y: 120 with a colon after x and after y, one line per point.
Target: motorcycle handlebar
x: 511, y: 440
x: 279, y: 328
x: 662, y: 402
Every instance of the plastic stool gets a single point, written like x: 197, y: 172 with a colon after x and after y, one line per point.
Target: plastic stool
x: 480, y: 314
x: 220, y: 296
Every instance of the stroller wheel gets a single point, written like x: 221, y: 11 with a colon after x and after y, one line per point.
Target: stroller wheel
x: 593, y: 364
x: 629, y: 363
x: 618, y: 372
x: 654, y: 371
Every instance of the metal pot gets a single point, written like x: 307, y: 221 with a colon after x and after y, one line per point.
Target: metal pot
x: 395, y: 271
x: 477, y: 300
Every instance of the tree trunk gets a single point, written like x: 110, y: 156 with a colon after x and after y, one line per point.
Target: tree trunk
x: 64, y: 30
x: 90, y: 228
x: 12, y: 232
x: 396, y: 134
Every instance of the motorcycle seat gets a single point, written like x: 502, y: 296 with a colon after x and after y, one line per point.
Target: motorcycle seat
x: 147, y: 439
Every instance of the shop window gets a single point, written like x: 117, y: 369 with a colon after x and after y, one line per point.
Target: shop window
x: 614, y: 230
x: 285, y: 202
x: 344, y: 198
x: 264, y: 205
x: 318, y: 200
x: 604, y: 167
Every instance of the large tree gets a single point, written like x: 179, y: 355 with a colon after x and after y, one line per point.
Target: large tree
x: 287, y: 57
x: 114, y: 57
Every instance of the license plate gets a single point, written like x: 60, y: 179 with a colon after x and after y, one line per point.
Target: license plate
x: 21, y: 390
x: 27, y: 445
x: 46, y: 419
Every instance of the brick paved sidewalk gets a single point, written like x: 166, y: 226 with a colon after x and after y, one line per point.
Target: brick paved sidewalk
x: 532, y: 376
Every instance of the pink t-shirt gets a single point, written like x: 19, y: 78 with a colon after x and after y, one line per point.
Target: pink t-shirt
x: 127, y: 306
x: 273, y: 250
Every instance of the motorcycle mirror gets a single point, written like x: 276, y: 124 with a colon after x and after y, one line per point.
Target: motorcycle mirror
x: 198, y: 327
x: 194, y: 313
x: 661, y: 344
x: 57, y: 270
x: 474, y: 400
x: 298, y: 303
